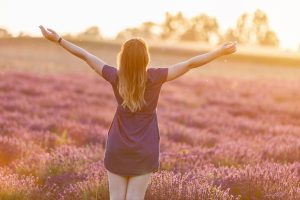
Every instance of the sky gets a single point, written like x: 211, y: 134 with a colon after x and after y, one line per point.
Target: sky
x: 111, y: 16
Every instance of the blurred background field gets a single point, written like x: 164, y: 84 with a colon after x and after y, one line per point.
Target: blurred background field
x: 39, y: 56
x: 229, y: 129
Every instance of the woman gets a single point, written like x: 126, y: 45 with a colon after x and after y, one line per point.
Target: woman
x: 132, y: 146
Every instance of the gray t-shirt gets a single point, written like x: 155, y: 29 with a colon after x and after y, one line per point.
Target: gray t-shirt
x: 132, y: 146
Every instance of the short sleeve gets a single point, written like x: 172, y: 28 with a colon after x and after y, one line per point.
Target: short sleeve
x: 109, y: 73
x: 159, y: 74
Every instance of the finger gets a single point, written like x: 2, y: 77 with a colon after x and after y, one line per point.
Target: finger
x: 229, y: 45
x: 43, y: 30
x: 52, y: 31
x: 49, y: 29
x: 45, y: 33
x: 232, y: 43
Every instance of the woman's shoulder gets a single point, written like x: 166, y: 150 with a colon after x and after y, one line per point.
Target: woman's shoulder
x: 109, y: 73
x: 157, y: 74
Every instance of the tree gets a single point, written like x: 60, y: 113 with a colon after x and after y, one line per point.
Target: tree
x: 265, y: 36
x: 128, y: 33
x: 92, y: 33
x: 201, y: 28
x: 269, y: 39
x: 23, y: 35
x: 241, y: 32
x: 148, y: 29
x: 173, y: 26
x: 4, y: 33
x: 253, y: 29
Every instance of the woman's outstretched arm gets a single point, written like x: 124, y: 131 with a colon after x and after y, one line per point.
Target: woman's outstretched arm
x: 181, y: 68
x: 92, y: 60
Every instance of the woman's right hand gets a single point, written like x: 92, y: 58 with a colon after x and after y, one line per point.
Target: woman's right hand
x: 49, y: 34
x: 228, y: 48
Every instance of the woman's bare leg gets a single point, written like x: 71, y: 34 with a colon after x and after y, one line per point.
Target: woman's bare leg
x: 117, y: 186
x: 137, y: 186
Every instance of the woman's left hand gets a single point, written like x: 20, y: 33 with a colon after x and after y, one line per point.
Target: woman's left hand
x: 49, y: 34
x: 228, y: 48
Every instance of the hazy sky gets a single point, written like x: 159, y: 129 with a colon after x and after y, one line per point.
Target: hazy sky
x: 112, y: 16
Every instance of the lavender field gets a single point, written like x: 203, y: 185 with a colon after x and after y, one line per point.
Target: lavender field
x: 223, y: 138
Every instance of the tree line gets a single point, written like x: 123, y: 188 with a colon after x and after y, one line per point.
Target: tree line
x: 250, y: 29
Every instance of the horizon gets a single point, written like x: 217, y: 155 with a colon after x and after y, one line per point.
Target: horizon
x: 80, y: 17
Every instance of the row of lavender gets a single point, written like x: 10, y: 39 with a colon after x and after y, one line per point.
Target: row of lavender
x: 220, y: 138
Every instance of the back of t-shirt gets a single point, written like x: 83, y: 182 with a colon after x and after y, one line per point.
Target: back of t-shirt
x: 155, y: 79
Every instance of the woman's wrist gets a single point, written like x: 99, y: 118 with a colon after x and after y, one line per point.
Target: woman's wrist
x: 59, y: 40
x: 219, y: 52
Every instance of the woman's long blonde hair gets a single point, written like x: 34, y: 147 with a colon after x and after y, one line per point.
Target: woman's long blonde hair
x: 133, y: 60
